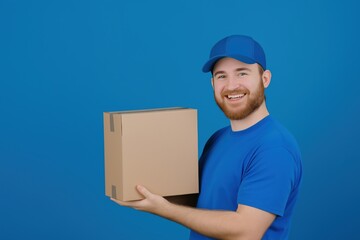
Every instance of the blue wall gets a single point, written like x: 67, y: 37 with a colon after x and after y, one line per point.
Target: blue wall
x: 64, y: 62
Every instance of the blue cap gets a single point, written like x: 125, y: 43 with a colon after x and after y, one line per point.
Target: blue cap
x: 239, y: 47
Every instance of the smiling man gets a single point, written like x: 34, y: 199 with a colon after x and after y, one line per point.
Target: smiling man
x: 250, y: 171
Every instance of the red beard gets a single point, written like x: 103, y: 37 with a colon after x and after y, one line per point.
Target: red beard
x: 252, y: 102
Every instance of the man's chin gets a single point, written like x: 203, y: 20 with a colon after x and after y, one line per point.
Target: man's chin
x: 234, y: 114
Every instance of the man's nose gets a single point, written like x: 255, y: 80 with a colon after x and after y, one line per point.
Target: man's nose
x: 233, y: 83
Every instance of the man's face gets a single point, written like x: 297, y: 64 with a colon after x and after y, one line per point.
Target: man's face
x: 238, y: 87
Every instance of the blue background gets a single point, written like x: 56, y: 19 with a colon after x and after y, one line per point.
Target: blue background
x: 64, y: 62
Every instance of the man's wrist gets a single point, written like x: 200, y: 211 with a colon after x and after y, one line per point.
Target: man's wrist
x: 166, y: 209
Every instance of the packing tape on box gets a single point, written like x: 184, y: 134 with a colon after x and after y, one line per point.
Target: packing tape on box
x: 112, y: 127
x: 113, y: 191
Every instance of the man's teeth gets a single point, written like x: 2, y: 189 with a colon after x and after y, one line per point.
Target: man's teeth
x: 236, y: 96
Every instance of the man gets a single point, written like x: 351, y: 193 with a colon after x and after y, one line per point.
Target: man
x: 250, y: 171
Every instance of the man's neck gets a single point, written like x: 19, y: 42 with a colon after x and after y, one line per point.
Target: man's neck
x: 252, y: 119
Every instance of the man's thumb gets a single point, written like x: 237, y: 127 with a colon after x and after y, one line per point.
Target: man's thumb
x: 143, y: 191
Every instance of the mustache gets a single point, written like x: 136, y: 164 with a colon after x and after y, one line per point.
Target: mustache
x: 235, y: 91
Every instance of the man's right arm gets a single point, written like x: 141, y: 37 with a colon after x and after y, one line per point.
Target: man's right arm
x: 246, y: 223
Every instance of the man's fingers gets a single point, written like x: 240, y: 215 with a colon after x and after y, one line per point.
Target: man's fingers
x: 118, y: 201
x: 141, y: 189
x: 150, y: 203
x: 133, y: 204
x: 139, y: 204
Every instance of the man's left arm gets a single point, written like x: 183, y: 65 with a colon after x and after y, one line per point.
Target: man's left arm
x: 246, y: 223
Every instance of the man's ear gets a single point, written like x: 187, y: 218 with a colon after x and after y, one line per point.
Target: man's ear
x: 266, y: 78
x: 212, y: 82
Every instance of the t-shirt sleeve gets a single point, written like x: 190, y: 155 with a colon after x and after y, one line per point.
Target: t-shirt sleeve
x: 268, y: 180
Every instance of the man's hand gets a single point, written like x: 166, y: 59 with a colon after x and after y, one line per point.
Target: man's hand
x: 151, y: 203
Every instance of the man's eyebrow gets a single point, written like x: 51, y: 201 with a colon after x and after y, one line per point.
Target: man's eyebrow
x: 243, y: 69
x: 218, y: 72
x: 236, y: 70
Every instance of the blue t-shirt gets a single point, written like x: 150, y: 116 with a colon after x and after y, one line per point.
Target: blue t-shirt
x: 258, y: 167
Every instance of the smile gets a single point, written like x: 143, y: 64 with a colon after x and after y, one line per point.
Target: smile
x: 234, y: 97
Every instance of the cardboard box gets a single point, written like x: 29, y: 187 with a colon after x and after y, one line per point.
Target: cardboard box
x: 155, y: 148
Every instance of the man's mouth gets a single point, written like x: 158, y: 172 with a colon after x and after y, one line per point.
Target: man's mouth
x: 235, y: 96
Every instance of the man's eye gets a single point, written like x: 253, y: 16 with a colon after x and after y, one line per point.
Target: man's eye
x: 242, y: 74
x: 221, y: 76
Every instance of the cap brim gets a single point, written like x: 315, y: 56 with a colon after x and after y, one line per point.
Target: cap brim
x: 209, y: 65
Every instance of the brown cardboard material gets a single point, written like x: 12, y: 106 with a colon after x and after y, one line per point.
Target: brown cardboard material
x: 155, y: 148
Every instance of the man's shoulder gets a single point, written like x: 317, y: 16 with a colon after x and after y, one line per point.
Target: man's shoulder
x: 220, y: 131
x: 279, y: 148
x: 276, y: 135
